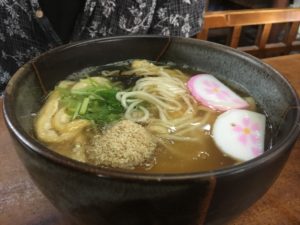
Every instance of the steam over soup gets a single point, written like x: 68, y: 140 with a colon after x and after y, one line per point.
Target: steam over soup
x: 150, y: 118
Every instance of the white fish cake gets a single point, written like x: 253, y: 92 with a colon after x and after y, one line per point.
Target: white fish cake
x: 240, y: 133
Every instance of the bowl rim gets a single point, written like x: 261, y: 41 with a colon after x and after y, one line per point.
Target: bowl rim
x: 33, y: 145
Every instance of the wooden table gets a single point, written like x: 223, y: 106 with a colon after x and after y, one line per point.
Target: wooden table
x: 21, y: 203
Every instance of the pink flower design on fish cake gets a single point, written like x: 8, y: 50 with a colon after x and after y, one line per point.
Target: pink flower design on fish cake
x: 248, y: 132
x: 216, y: 89
x: 256, y: 151
x: 212, y: 93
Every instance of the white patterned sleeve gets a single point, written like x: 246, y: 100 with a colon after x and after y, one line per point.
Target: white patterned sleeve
x: 177, y: 17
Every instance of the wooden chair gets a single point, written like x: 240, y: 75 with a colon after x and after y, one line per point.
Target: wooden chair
x: 266, y: 18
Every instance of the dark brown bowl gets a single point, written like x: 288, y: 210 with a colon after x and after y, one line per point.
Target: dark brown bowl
x: 91, y: 195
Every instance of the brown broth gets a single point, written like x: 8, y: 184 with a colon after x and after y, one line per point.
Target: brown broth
x: 186, y: 156
x: 196, y: 157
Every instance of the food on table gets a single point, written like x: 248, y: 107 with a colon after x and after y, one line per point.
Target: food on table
x: 150, y: 118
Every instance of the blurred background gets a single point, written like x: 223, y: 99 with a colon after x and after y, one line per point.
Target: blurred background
x: 252, y: 35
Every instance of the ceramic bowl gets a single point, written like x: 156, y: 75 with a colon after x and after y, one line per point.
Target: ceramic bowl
x: 91, y: 195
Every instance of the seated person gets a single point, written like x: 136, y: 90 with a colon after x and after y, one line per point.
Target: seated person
x: 31, y: 27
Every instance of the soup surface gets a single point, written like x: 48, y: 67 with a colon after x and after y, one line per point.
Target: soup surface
x: 134, y: 115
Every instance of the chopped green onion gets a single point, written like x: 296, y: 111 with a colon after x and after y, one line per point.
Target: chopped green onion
x: 94, y: 102
x: 76, y: 111
x: 84, y: 106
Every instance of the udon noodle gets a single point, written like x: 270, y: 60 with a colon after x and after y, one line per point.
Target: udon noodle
x: 173, y: 110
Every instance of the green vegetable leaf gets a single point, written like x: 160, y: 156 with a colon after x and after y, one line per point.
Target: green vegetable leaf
x: 94, y: 102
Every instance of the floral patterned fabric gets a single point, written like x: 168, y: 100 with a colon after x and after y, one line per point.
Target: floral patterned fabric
x: 25, y: 32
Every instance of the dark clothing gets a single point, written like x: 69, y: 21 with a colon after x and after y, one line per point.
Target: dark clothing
x: 62, y: 17
x: 26, y: 31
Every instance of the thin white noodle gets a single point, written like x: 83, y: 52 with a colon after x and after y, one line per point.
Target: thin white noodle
x: 167, y: 97
x: 169, y: 147
x: 131, y: 109
x: 169, y: 105
x: 178, y: 138
x: 107, y: 73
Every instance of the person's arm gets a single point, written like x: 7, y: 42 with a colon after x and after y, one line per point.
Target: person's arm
x: 178, y: 17
x: 21, y: 38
